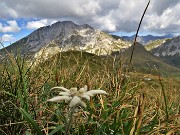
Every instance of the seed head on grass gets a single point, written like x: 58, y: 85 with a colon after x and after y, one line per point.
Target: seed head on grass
x: 75, y: 96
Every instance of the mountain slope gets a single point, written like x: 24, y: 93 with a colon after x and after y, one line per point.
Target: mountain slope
x: 169, y: 51
x: 145, y: 61
x: 154, y: 44
x: 69, y: 36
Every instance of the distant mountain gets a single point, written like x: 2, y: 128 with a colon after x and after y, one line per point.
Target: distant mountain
x: 169, y: 51
x: 145, y: 61
x: 154, y: 44
x: 66, y: 35
x: 145, y: 39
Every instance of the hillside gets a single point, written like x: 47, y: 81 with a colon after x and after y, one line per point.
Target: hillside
x: 144, y: 61
x: 73, y: 58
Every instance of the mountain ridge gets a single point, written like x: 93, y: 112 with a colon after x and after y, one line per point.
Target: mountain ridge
x: 145, y: 39
x: 169, y: 51
x: 69, y: 36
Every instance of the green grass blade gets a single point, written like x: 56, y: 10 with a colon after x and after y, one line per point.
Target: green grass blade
x: 8, y: 93
x: 31, y: 122
x: 28, y: 133
x: 55, y: 130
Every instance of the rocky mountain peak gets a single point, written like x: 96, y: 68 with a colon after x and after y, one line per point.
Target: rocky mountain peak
x: 169, y: 48
x: 69, y: 36
x: 59, y: 32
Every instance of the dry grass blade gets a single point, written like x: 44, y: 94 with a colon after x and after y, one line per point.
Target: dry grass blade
x: 173, y: 131
x: 141, y: 111
x: 138, y: 115
x: 173, y: 118
x: 83, y: 68
x: 135, y: 120
x: 101, y: 101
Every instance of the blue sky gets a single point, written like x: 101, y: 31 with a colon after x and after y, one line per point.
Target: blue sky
x: 21, y: 17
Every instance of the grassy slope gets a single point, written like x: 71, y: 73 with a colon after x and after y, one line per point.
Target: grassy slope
x: 115, y: 112
x: 146, y: 62
x: 71, y: 58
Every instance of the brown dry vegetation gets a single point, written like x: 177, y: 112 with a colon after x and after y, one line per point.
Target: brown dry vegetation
x: 133, y: 105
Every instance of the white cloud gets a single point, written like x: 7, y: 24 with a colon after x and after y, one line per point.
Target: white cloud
x: 12, y: 12
x: 91, y: 7
x: 7, y: 38
x: 39, y: 23
x: 168, y: 21
x: 7, y: 11
x: 159, y: 6
x: 118, y: 19
x: 11, y: 27
x: 105, y: 23
x: 115, y: 15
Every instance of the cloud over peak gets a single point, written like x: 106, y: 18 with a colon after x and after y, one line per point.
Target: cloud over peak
x: 11, y: 26
x: 7, y: 38
x: 117, y: 15
x: 39, y: 23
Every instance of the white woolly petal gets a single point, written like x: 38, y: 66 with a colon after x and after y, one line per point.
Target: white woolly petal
x: 75, y: 101
x: 61, y: 88
x: 59, y: 98
x: 84, y: 89
x: 83, y: 104
x: 86, y: 96
x: 95, y: 92
x: 73, y: 90
x: 64, y: 93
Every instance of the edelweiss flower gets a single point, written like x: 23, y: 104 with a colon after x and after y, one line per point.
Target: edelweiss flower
x: 75, y: 96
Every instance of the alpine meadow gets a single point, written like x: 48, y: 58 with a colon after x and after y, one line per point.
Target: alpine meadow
x: 74, y: 75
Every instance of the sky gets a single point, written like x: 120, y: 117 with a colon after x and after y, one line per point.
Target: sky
x: 18, y: 18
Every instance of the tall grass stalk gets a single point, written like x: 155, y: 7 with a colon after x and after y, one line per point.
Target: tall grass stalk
x: 134, y: 43
x: 165, y: 99
x: 70, y: 118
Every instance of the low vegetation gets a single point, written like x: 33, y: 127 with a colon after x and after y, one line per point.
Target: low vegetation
x: 135, y: 103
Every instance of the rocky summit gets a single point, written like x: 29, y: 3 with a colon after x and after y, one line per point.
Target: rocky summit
x: 66, y: 35
x: 169, y: 48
